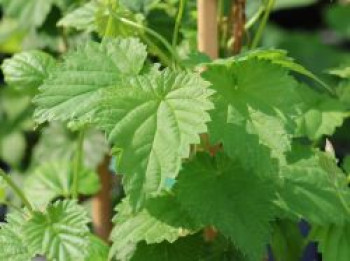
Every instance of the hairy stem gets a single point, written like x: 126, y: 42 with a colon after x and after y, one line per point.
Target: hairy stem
x: 262, y: 24
x: 238, y: 17
x: 149, y: 31
x: 17, y: 190
x: 77, y: 164
x: 177, y: 27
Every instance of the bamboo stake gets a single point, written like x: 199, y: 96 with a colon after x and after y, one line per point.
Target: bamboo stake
x: 101, y: 203
x: 208, y: 44
x: 207, y: 27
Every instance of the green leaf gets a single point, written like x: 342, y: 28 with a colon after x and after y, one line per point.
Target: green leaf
x: 280, y: 57
x: 83, y: 74
x: 3, y: 187
x: 60, y: 233
x: 108, y: 20
x: 82, y: 18
x: 337, y: 17
x: 27, y: 69
x: 284, y: 4
x: 333, y: 241
x: 12, y: 246
x: 343, y: 92
x: 58, y: 143
x: 321, y: 114
x: 346, y: 164
x: 29, y: 13
x: 161, y: 220
x: 12, y: 148
x: 342, y: 71
x: 184, y: 249
x: 98, y: 250
x: 252, y: 106
x: 314, y: 188
x: 153, y: 119
x: 287, y: 242
x: 219, y: 192
x: 54, y: 179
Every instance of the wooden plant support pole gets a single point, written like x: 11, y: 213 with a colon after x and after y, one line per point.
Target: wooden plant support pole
x: 208, y: 43
x: 101, y: 203
x: 208, y: 27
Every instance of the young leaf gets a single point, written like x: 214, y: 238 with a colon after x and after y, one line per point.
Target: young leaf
x: 219, y: 192
x: 82, y: 74
x: 333, y: 241
x: 27, y: 69
x: 82, y: 18
x: 108, y: 20
x: 54, y: 179
x: 153, y: 119
x: 161, y: 220
x: 60, y: 233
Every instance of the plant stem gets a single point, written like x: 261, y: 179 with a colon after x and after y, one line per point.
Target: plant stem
x: 254, y: 18
x: 17, y: 190
x: 238, y: 19
x: 262, y: 24
x: 77, y: 164
x: 177, y: 27
x: 148, y: 30
x: 163, y: 57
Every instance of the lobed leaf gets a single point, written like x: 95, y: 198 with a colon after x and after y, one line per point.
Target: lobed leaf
x: 28, y: 69
x: 60, y: 233
x: 153, y: 119
x: 220, y: 192
x: 12, y: 246
x: 162, y: 219
x: 82, y: 74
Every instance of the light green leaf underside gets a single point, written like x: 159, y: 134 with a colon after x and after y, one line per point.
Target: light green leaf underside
x: 12, y: 246
x: 321, y: 114
x: 249, y: 101
x: 184, y: 249
x: 314, y: 188
x: 333, y: 241
x: 72, y: 90
x: 153, y: 119
x: 54, y: 179
x: 58, y: 143
x: 82, y: 18
x: 60, y: 233
x: 29, y: 13
x: 98, y: 249
x: 219, y: 192
x: 161, y: 220
x: 27, y: 69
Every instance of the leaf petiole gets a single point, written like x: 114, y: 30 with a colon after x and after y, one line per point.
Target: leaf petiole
x: 17, y: 190
x: 77, y: 164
